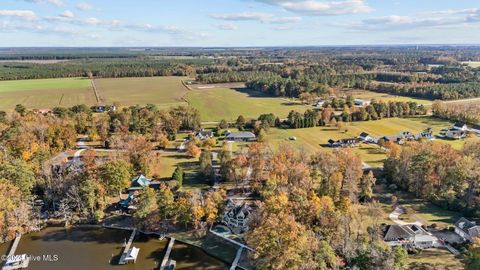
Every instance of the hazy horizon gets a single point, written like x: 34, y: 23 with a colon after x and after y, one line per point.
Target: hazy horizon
x: 238, y: 23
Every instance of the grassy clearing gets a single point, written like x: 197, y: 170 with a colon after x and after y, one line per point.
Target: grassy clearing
x: 472, y: 64
x: 45, y: 93
x: 311, y: 139
x: 439, y: 259
x: 223, y: 103
x: 161, y: 91
x: 192, y: 180
x: 369, y: 95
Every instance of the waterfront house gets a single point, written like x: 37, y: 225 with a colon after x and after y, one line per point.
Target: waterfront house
x: 409, y: 235
x: 467, y: 229
x: 236, y: 216
x: 241, y: 136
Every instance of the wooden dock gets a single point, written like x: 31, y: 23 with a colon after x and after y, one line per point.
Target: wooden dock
x: 22, y: 261
x: 14, y: 245
x: 127, y: 247
x: 237, y: 259
x: 164, y: 264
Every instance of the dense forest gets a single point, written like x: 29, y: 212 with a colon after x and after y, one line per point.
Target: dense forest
x: 437, y: 172
x: 426, y: 72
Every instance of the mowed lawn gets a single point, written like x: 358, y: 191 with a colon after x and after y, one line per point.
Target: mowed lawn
x: 161, y: 91
x: 224, y: 103
x: 312, y: 139
x: 369, y: 95
x: 46, y: 93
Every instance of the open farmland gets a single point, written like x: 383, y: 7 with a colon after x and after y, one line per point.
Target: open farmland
x: 312, y: 139
x: 369, y: 95
x: 45, y: 93
x: 161, y: 91
x: 216, y: 104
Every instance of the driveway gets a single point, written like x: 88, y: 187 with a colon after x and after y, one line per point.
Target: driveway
x: 395, y: 217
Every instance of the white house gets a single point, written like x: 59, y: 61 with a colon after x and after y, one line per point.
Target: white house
x: 410, y: 235
x: 365, y: 137
x: 361, y: 102
x: 456, y: 134
x: 467, y: 229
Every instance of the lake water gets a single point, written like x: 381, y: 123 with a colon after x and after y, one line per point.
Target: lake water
x: 98, y: 248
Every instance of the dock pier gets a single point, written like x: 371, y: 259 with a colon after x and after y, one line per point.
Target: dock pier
x: 127, y: 248
x: 165, y: 265
x: 16, y: 261
x: 237, y: 259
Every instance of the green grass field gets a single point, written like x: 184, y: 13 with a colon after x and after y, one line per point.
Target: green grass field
x: 369, y: 95
x: 161, y: 91
x: 312, y: 139
x: 191, y: 167
x: 223, y: 103
x: 45, y: 93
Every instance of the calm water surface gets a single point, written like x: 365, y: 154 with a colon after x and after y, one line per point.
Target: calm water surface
x: 95, y: 248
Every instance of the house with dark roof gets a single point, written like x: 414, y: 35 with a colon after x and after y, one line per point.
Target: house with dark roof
x: 204, y: 135
x: 237, y: 216
x: 365, y: 137
x: 350, y: 142
x: 467, y: 229
x: 476, y: 129
x: 241, y: 136
x: 426, y: 134
x: 409, y: 235
x: 460, y: 126
x: 400, y: 138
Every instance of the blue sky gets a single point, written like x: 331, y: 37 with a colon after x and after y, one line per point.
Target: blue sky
x: 237, y: 22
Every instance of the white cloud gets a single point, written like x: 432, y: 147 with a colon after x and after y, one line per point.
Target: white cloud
x: 92, y: 21
x: 227, y: 27
x: 84, y: 6
x: 321, y: 8
x: 67, y: 14
x: 22, y: 14
x: 254, y: 16
x: 437, y: 19
x: 53, y: 2
x: 243, y: 16
x: 285, y: 20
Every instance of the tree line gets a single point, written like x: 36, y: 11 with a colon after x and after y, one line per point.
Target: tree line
x: 107, y: 68
x: 373, y: 111
x: 438, y: 91
x: 437, y: 172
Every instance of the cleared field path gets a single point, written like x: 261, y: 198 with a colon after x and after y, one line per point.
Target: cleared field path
x: 161, y: 91
x: 46, y: 93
